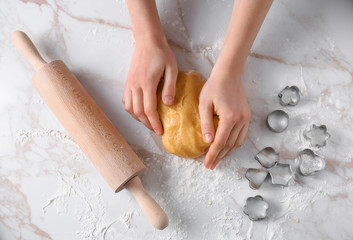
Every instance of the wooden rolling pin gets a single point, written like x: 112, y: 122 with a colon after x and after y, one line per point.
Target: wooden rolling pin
x: 90, y: 128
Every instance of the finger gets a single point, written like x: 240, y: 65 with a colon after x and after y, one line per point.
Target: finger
x: 206, y: 117
x: 170, y: 77
x: 150, y: 109
x: 241, y: 138
x: 234, y: 135
x: 137, y: 100
x: 222, y: 135
x: 229, y: 144
x: 234, y: 147
x: 128, y: 103
x: 218, y: 158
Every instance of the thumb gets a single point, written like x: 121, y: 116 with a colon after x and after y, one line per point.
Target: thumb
x: 207, y: 125
x: 168, y: 91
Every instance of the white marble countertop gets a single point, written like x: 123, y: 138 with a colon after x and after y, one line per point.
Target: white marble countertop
x: 49, y: 190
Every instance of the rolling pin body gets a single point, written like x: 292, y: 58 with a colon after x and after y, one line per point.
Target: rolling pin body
x: 90, y: 128
x: 87, y: 124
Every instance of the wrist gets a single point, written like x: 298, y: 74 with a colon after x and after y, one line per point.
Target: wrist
x: 156, y: 38
x: 148, y: 36
x: 232, y: 62
x: 228, y: 70
x: 223, y: 77
x: 145, y: 21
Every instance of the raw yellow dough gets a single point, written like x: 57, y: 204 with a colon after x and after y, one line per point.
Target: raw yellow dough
x: 182, y: 134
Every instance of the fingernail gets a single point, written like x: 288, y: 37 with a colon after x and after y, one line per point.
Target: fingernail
x: 168, y: 100
x: 158, y: 132
x: 208, y: 137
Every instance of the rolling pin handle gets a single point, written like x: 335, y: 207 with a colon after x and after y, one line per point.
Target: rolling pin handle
x: 155, y: 214
x: 27, y: 48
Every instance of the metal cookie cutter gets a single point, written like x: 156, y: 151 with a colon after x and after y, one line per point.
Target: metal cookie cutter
x: 317, y: 136
x: 267, y: 157
x: 289, y: 96
x: 310, y: 163
x: 281, y: 174
x: 277, y: 121
x: 256, y: 208
x: 256, y: 177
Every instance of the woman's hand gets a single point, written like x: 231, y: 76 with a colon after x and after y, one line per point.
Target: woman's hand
x: 224, y: 96
x: 151, y: 61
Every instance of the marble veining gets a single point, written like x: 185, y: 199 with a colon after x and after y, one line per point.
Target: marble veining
x: 49, y: 190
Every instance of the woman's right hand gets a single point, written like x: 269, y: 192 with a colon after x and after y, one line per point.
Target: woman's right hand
x: 151, y: 61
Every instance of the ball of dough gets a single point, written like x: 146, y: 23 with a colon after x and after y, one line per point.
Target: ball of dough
x: 182, y: 134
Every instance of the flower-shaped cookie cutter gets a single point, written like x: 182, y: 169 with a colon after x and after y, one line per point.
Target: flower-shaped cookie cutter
x: 310, y: 163
x: 256, y: 208
x: 289, y: 96
x: 317, y: 135
x: 256, y: 177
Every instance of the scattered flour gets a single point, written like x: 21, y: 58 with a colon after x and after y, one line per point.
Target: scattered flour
x: 91, y: 213
x: 250, y: 230
x: 212, y: 51
x: 186, y: 190
x: 126, y: 219
x: 303, y: 86
x: 27, y: 135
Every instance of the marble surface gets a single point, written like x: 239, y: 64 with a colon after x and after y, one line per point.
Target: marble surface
x: 49, y: 190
